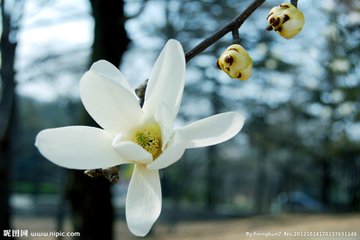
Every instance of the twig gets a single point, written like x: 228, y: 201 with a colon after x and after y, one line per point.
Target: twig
x: 232, y: 26
x: 294, y: 2
x: 111, y: 174
x: 236, y: 36
x: 140, y: 92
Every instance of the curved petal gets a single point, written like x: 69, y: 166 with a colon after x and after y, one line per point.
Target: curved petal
x: 111, y: 105
x: 166, y: 82
x: 131, y: 151
x: 210, y: 131
x: 106, y: 69
x: 78, y: 147
x: 143, y: 200
x: 171, y: 155
x: 164, y: 119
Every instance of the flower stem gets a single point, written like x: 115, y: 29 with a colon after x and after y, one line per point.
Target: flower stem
x: 236, y: 36
x: 294, y: 2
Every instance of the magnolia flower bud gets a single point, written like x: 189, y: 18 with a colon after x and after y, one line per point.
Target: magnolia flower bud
x: 236, y: 62
x: 286, y: 20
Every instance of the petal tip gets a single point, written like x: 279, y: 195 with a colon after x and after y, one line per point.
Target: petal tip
x: 175, y: 47
x: 173, y: 42
x: 101, y: 61
x: 138, y: 233
x: 40, y: 138
x: 241, y: 119
x: 37, y: 140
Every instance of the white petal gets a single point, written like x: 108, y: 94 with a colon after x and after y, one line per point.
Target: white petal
x: 78, y: 147
x: 210, y: 131
x: 143, y: 200
x: 131, y: 151
x: 106, y: 69
x: 166, y: 122
x: 111, y: 105
x: 171, y: 155
x: 166, y: 82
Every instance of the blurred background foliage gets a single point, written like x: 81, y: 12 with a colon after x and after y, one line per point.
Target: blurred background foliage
x: 299, y: 148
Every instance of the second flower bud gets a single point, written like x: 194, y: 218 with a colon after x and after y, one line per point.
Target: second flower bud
x: 286, y: 20
x: 236, y: 62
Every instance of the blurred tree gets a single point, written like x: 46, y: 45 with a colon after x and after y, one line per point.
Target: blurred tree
x: 188, y: 16
x: 209, y: 92
x: 288, y: 143
x: 338, y: 94
x: 11, y: 14
x: 285, y: 133
x: 91, y: 198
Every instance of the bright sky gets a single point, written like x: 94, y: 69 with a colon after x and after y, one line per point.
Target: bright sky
x: 60, y: 27
x: 56, y: 27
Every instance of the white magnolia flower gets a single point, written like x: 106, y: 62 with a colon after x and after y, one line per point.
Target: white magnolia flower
x: 142, y: 136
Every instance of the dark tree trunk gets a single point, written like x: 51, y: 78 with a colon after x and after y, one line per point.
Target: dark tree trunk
x: 354, y: 190
x: 325, y: 182
x: 260, y: 184
x: 91, y: 197
x: 211, y: 179
x: 7, y: 115
x: 110, y: 38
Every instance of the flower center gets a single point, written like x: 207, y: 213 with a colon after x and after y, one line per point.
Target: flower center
x: 149, y: 138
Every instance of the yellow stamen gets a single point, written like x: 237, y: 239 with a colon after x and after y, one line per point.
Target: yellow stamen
x: 149, y: 138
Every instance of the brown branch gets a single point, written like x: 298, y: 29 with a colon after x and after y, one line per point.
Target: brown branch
x: 233, y: 25
x: 111, y: 174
